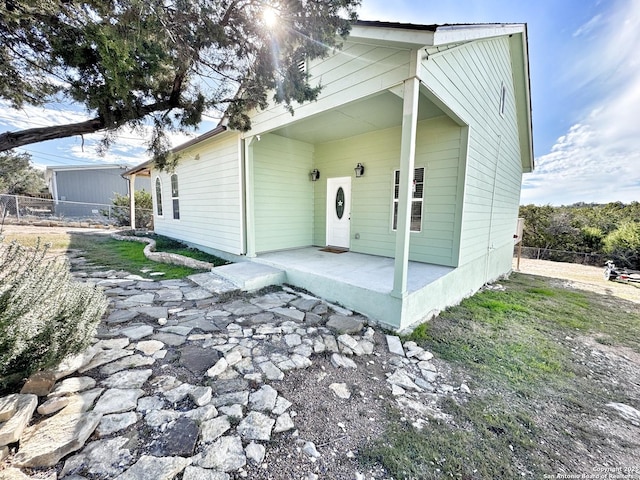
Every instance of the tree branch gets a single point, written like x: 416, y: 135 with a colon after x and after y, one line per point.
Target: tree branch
x: 9, y: 140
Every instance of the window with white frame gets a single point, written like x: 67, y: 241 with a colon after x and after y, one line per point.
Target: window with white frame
x: 158, y: 197
x: 417, y: 196
x: 174, y: 196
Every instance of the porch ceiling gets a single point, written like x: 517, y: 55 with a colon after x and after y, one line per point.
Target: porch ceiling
x: 378, y: 112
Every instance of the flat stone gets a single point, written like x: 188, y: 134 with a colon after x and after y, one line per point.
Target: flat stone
x: 202, y: 414
x: 73, y: 385
x: 365, y: 346
x: 331, y: 343
x: 242, y: 308
x: 241, y: 398
x: 197, y: 294
x: 153, y: 312
x: 305, y: 304
x: 116, y: 422
x: 260, y: 318
x: 340, y: 390
x: 282, y: 405
x: 202, y: 323
x: 149, y: 347
x: 292, y: 340
x: 312, y: 319
x: 179, y: 393
x: 113, y: 343
x: 198, y: 473
x: 256, y: 426
x: 320, y: 309
x: 121, y: 316
x: 395, y: 345
x: 177, y: 329
x: 292, y: 313
x: 103, y: 357
x: 125, y: 363
x: 350, y: 342
x: 53, y: 405
x: 197, y: 359
x: 137, y: 332
x: 40, y: 384
x: 402, y: 379
x: 147, y: 404
x: 12, y: 473
x: 170, y: 339
x: 179, y: 439
x: 233, y: 411
x: 82, y: 401
x: 117, y: 400
x: 155, y: 468
x: 169, y: 295
x: 344, y: 324
x: 200, y: 395
x: 103, y: 458
x: 272, y: 300
x: 255, y: 453
x: 213, y: 429
x: 127, y: 379
x: 310, y: 449
x: 142, y: 299
x: 271, y: 371
x: 263, y: 399
x: 284, y: 423
x: 225, y: 454
x: 44, y: 444
x: 17, y: 409
x: 219, y: 367
x: 340, y: 361
x: 159, y: 418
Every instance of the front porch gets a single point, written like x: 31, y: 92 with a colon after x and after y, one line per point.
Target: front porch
x: 360, y: 282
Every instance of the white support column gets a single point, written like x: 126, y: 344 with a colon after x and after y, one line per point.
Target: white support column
x: 250, y: 199
x: 132, y: 200
x: 407, y: 166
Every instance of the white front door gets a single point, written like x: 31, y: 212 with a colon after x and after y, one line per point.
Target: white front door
x: 338, y: 211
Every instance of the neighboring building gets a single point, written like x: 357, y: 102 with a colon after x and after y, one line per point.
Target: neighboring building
x: 438, y: 117
x: 83, y: 190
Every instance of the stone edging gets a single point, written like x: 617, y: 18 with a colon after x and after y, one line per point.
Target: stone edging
x: 164, y: 257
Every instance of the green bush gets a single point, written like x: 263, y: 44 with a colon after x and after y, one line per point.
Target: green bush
x: 623, y: 244
x: 144, y: 210
x: 44, y: 314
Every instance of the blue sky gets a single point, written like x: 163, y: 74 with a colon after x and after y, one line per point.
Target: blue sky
x: 585, y: 84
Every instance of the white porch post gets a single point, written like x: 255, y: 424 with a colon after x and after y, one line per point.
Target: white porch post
x: 132, y: 200
x: 407, y: 163
x: 250, y: 198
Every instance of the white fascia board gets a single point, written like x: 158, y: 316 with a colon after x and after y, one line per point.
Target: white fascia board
x: 391, y: 35
x: 464, y: 33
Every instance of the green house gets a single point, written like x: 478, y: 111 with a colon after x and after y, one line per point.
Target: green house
x: 395, y: 194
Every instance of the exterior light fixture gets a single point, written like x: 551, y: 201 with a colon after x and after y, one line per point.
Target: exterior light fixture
x: 315, y: 174
x: 359, y: 170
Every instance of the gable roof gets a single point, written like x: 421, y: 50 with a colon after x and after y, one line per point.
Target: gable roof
x: 423, y: 36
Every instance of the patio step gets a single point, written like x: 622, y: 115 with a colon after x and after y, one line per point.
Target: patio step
x: 250, y: 276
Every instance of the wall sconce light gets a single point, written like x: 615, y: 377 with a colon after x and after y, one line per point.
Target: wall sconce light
x: 315, y: 174
x: 359, y: 170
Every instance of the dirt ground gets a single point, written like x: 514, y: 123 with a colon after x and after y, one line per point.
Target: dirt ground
x: 581, y: 277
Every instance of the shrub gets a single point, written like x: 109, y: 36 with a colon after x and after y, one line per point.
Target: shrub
x: 44, y: 314
x: 144, y: 210
x: 623, y: 244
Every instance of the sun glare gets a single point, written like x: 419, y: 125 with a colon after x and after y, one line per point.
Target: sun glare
x: 270, y: 17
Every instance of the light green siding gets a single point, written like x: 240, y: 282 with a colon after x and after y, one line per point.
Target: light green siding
x: 437, y: 149
x: 469, y: 79
x: 356, y: 71
x: 283, y: 193
x: 209, y: 196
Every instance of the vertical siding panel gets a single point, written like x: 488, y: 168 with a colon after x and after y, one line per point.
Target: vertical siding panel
x: 208, y: 183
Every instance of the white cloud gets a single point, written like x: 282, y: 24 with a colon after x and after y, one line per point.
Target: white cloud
x: 598, y: 159
x: 586, y: 28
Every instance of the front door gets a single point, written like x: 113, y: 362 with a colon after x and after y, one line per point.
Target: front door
x: 338, y: 211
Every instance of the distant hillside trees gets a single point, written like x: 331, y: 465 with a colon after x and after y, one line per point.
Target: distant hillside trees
x: 612, y: 229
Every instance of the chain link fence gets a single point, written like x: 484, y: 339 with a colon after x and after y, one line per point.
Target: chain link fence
x: 20, y: 208
x: 584, y: 258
